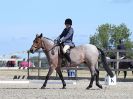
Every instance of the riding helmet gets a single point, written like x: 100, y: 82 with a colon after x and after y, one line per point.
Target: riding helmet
x: 68, y: 21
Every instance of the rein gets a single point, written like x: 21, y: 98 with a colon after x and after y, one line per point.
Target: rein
x: 52, y: 47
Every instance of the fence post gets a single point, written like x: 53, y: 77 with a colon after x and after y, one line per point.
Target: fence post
x: 76, y: 72
x: 39, y: 63
x: 39, y: 55
x: 117, y: 63
x: 28, y: 72
x: 28, y: 63
x: 38, y: 72
x: 28, y: 59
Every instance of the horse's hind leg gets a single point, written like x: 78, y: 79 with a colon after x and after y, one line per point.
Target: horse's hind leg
x: 58, y: 70
x: 93, y: 73
x: 118, y: 73
x: 125, y: 74
x: 97, y: 79
x: 47, y: 77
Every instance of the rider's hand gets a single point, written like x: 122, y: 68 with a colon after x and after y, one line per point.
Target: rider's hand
x: 57, y: 42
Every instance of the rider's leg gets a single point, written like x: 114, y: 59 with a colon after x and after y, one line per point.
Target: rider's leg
x: 67, y: 53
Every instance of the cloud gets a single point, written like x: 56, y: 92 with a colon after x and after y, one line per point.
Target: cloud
x: 119, y: 1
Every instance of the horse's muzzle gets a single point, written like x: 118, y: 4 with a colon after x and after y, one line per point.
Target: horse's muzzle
x: 31, y: 51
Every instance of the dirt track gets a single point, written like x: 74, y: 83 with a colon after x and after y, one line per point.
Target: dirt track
x: 123, y: 90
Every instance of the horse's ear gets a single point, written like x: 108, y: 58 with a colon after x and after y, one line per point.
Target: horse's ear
x: 37, y: 35
x: 41, y: 35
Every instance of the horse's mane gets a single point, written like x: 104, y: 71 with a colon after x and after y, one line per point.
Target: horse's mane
x: 48, y: 39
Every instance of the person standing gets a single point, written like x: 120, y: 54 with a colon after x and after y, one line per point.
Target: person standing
x: 121, y: 46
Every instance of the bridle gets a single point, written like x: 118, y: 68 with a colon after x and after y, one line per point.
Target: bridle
x: 43, y: 48
x: 43, y: 45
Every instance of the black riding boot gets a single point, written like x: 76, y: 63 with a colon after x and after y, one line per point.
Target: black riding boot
x: 67, y: 56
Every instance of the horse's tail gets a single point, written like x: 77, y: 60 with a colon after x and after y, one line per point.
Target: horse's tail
x: 104, y: 62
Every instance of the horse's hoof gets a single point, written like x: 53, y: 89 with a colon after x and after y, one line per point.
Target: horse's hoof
x: 43, y: 87
x: 100, y: 86
x: 64, y: 87
x: 89, y: 87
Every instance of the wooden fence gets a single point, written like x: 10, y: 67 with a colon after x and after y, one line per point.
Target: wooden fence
x: 117, y: 60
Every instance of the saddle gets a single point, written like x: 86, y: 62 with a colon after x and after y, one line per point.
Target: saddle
x: 64, y: 59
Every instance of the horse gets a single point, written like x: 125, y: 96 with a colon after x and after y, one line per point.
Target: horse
x: 125, y: 65
x: 87, y: 54
x: 122, y: 65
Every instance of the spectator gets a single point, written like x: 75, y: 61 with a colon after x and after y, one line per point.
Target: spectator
x: 121, y: 46
x: 25, y: 63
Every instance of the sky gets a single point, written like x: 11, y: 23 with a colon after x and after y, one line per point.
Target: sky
x: 21, y: 20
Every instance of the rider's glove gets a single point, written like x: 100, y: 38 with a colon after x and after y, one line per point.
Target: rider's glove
x: 57, y: 42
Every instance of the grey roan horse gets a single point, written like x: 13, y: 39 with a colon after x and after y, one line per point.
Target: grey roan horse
x: 87, y: 54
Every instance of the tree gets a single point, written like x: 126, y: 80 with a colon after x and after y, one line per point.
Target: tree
x: 120, y: 32
x: 108, y: 35
x: 93, y: 40
x: 102, y: 36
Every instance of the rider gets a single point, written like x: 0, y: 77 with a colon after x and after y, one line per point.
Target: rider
x: 66, y: 38
x: 121, y: 46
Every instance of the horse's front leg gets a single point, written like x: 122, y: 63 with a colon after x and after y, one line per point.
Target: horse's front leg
x: 58, y: 70
x: 51, y: 69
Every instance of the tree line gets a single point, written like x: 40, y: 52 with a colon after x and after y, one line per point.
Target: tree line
x: 107, y: 36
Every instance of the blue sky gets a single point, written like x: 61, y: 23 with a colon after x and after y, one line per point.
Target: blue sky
x: 20, y: 20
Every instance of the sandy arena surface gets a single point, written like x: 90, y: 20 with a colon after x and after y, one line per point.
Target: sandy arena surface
x: 123, y: 90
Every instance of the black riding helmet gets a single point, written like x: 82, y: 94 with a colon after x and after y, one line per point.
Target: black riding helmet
x: 68, y: 21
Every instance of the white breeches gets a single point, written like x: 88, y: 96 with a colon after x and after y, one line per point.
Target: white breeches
x: 66, y: 47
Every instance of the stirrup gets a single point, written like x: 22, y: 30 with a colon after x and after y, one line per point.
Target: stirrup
x: 68, y: 63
